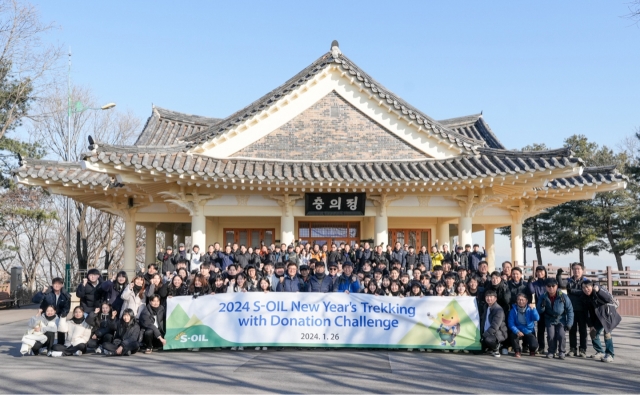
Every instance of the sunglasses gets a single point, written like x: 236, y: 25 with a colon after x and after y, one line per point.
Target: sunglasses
x: 333, y: 268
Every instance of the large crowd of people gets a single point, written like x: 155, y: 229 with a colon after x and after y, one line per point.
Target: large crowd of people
x: 122, y: 316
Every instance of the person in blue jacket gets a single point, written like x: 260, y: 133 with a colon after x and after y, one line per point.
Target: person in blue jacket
x: 291, y: 281
x: 537, y: 288
x: 347, y: 282
x: 521, y: 323
x: 558, y: 316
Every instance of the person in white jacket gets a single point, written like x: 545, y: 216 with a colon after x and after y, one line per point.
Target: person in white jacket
x: 135, y: 295
x: 41, y: 332
x: 78, y: 335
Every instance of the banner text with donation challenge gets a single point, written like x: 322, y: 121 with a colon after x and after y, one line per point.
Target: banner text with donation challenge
x: 322, y: 320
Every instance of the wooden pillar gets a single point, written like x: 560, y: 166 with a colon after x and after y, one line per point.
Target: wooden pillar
x: 150, y: 244
x: 490, y: 245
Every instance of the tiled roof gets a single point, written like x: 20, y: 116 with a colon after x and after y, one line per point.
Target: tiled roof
x: 486, y: 163
x: 62, y: 171
x: 409, y: 112
x: 474, y: 127
x: 590, y: 176
x: 166, y: 127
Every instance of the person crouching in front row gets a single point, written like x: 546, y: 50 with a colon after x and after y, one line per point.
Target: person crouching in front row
x: 492, y: 324
x: 522, y: 319
x: 78, y: 335
x: 41, y: 331
x: 152, y: 323
x: 125, y: 341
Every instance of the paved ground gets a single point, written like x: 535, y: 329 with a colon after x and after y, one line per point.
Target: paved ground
x: 340, y: 371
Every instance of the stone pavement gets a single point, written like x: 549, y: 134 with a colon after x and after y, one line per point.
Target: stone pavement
x: 316, y: 371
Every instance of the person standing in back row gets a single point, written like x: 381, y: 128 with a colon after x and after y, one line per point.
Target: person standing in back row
x: 573, y: 286
x: 558, y: 315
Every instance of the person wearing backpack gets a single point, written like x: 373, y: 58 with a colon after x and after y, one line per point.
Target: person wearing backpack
x: 558, y: 315
x: 603, y: 317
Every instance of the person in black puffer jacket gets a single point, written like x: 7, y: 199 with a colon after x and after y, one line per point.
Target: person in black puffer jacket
x: 125, y: 341
x: 152, y: 324
x: 580, y: 303
x: 90, y: 291
x: 177, y: 287
x: 103, y: 322
x: 112, y: 290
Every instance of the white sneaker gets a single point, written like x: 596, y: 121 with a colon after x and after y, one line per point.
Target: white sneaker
x: 505, y: 351
x: 195, y: 349
x: 56, y: 354
x: 43, y: 351
x: 264, y: 349
x: 99, y: 350
x: 78, y: 353
x: 607, y: 358
x: 257, y: 348
x: 597, y: 356
x: 421, y: 349
x: 409, y: 349
x: 234, y: 348
x: 240, y: 348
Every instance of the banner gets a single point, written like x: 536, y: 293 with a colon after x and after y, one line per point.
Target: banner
x: 322, y: 320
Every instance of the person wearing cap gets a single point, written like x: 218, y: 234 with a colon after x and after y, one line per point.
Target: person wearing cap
x: 167, y: 260
x: 320, y: 281
x: 573, y: 286
x: 181, y: 253
x: 333, y: 272
x: 381, y: 257
x: 493, y: 328
x: 304, y: 274
x: 55, y: 296
x: 347, y: 282
x: 460, y: 258
x: 290, y: 256
x: 291, y: 281
x: 521, y: 323
x: 558, y: 315
x: 89, y: 291
x: 603, y: 318
x: 462, y: 273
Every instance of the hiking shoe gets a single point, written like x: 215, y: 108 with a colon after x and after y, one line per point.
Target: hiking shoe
x: 445, y: 350
x: 195, y: 349
x: 505, y: 351
x: 582, y: 354
x: 597, y: 356
x: 517, y: 354
x: 56, y: 354
x: 148, y: 351
x: 43, y: 351
x: 561, y: 355
x: 98, y: 350
x: 410, y: 349
x: 532, y: 353
x: 240, y: 348
x: 264, y: 349
x: 429, y: 350
x: 495, y: 354
x: 421, y: 349
x: 78, y: 353
x: 550, y: 355
x: 234, y: 348
x: 573, y: 352
x: 607, y: 358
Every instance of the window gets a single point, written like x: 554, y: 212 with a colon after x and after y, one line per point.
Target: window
x: 412, y: 237
x: 322, y: 233
x: 249, y: 237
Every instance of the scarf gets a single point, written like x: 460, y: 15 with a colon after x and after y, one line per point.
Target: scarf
x: 137, y: 289
x: 154, y: 310
x: 197, y: 290
x: 104, y: 317
x: 119, y: 287
x: 521, y: 316
x: 320, y: 276
x: 78, y: 321
x: 50, y: 318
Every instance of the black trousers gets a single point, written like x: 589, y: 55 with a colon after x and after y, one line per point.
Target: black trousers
x: 94, y: 343
x: 150, y: 340
x: 490, y: 342
x: 540, y: 333
x: 579, y: 325
x: 113, y: 346
x: 48, y: 344
x: 70, y: 350
x: 529, y: 340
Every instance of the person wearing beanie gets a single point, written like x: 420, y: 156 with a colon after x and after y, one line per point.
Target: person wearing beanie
x: 167, y: 260
x: 90, y: 291
x: 603, y: 318
x: 558, y: 315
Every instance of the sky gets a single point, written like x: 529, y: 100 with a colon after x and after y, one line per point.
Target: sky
x: 539, y: 71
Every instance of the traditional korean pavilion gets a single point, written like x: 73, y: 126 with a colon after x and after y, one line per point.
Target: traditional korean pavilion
x: 329, y: 156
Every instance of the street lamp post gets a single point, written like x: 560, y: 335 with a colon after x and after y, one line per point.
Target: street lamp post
x: 74, y: 108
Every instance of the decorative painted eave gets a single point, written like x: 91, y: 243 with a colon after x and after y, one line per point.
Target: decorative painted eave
x: 402, y: 108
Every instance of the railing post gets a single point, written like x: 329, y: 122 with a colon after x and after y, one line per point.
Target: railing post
x: 628, y: 282
x: 609, y: 280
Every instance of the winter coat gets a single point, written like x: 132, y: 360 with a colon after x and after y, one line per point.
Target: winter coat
x: 112, y: 295
x: 410, y: 260
x: 365, y: 255
x: 167, y: 262
x: 399, y: 255
x: 425, y: 259
x: 474, y: 259
x: 291, y: 284
x: 344, y: 283
x: 44, y: 324
x: 530, y: 315
x: 226, y: 259
x: 497, y: 326
x: 211, y: 258
x: 101, y: 324
x: 63, y: 305
x: 90, y: 295
x: 602, y: 310
x: 77, y: 333
x: 348, y: 257
x: 148, y: 320
x: 180, y: 291
x: 461, y: 259
x: 504, y: 295
x: 560, y: 312
x: 127, y: 335
x: 242, y: 259
x: 518, y: 288
x: 574, y: 290
x: 324, y: 285
x: 134, y: 301
x: 538, y: 287
x: 437, y: 258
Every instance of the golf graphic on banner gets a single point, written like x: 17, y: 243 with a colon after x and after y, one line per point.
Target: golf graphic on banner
x: 322, y: 320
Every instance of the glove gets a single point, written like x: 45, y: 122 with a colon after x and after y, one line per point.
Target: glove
x: 530, y: 279
x: 566, y: 328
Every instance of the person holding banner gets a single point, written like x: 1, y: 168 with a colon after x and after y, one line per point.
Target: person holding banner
x: 347, y: 282
x: 199, y: 287
x: 291, y: 282
x: 264, y: 285
x: 239, y: 284
x: 320, y: 282
x: 493, y: 329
